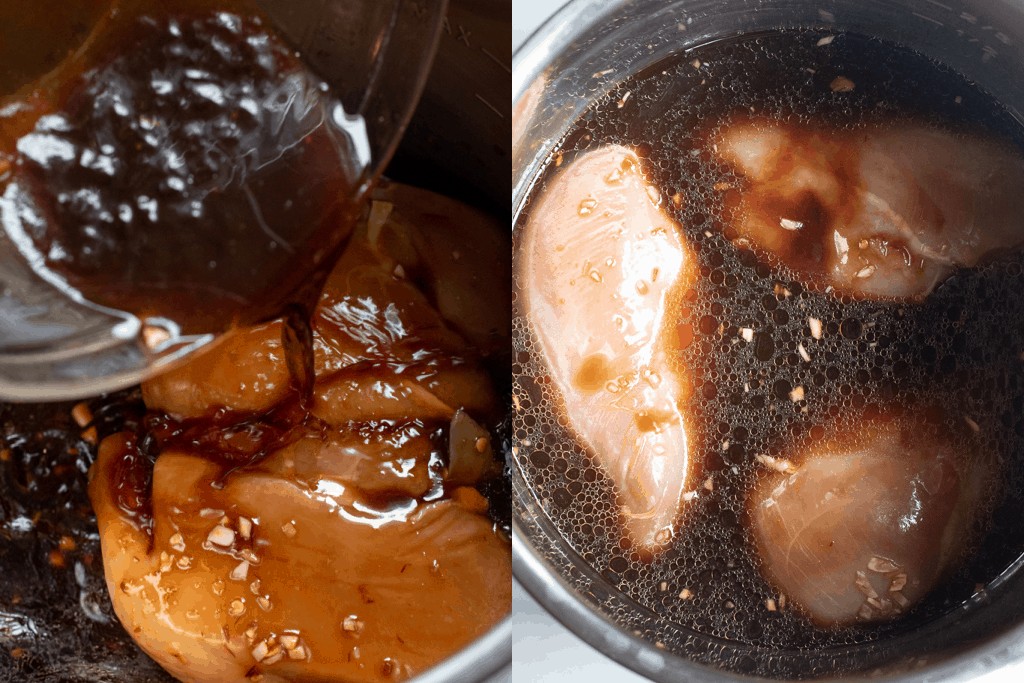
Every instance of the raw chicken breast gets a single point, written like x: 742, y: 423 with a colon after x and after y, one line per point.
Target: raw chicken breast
x: 601, y: 264
x: 866, y: 524
x: 343, y: 542
x: 379, y: 341
x: 876, y: 212
x: 286, y: 570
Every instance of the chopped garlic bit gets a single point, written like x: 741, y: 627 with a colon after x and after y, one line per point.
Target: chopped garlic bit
x: 797, y: 394
x: 686, y: 594
x: 866, y: 271
x: 975, y: 427
x: 788, y: 224
x: 770, y: 604
x: 245, y: 528
x: 780, y: 465
x: 259, y: 652
x: 747, y: 334
x: 803, y: 353
x: 587, y: 206
x: 81, y: 414
x: 827, y: 40
x: 379, y: 214
x: 695, y: 64
x: 816, y: 328
x: 221, y: 536
x: 237, y: 608
x: 842, y: 84
x: 864, y: 585
x: 240, y: 572
x: 709, y: 483
x: 154, y: 336
x: 897, y: 583
x: 625, y: 98
x: 352, y: 624
x: 177, y: 542
x: 881, y: 565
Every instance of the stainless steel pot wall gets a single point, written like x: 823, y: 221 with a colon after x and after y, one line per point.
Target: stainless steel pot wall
x: 458, y: 144
x: 553, y: 81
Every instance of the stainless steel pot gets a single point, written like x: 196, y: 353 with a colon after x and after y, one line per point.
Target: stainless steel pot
x: 458, y: 144
x: 580, y: 54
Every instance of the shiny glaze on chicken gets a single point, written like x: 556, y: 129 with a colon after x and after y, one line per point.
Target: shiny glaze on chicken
x: 247, y: 537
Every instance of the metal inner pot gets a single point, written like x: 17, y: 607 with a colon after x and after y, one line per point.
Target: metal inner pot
x: 579, y: 55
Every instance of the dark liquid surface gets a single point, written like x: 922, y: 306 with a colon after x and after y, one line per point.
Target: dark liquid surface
x: 183, y: 164
x: 960, y: 348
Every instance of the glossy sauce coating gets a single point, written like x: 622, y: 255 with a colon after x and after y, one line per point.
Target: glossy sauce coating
x: 245, y: 535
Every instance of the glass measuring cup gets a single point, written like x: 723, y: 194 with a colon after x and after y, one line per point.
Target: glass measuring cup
x: 56, y: 343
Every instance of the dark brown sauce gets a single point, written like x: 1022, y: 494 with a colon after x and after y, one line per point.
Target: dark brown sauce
x: 960, y: 348
x: 184, y: 164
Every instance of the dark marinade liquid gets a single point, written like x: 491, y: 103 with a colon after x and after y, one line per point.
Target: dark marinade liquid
x: 175, y: 160
x: 960, y: 348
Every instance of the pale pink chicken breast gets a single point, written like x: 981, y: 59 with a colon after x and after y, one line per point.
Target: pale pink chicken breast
x: 884, y: 212
x: 866, y: 524
x: 601, y: 263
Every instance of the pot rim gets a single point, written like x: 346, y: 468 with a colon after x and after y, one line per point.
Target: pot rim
x: 482, y: 659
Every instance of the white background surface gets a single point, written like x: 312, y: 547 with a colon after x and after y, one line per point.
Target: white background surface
x: 544, y: 651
